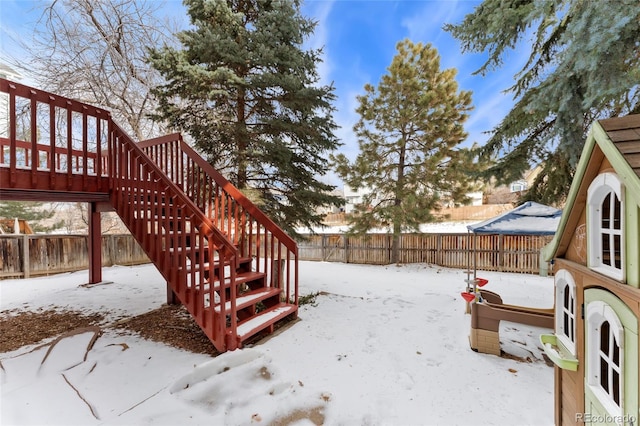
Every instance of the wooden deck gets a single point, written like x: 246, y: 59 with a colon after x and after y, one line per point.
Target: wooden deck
x: 182, y: 212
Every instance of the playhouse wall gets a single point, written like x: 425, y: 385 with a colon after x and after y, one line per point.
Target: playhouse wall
x: 572, y: 389
x: 567, y: 385
x: 632, y: 238
x: 577, y: 249
x: 570, y: 385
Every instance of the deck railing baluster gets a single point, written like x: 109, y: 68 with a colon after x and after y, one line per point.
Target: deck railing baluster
x: 85, y: 150
x: 34, y: 139
x: 13, y: 158
x: 69, y: 145
x: 51, y: 152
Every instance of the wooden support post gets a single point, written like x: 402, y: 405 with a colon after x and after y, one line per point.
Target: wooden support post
x: 278, y: 276
x: 94, y: 245
x: 171, y: 296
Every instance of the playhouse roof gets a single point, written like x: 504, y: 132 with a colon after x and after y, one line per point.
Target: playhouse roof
x: 617, y: 139
x: 530, y: 218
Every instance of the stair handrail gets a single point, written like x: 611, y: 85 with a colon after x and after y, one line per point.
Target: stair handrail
x: 226, y: 248
x: 224, y: 183
x: 221, y: 237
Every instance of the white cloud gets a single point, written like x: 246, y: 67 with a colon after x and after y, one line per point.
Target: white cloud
x: 320, y: 11
x: 427, y: 24
x: 346, y: 117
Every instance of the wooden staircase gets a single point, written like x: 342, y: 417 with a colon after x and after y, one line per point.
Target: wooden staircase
x: 234, y: 270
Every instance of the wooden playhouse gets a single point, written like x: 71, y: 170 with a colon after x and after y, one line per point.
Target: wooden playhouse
x: 596, y: 256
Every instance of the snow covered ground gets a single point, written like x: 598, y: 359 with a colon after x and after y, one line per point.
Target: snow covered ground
x: 381, y: 345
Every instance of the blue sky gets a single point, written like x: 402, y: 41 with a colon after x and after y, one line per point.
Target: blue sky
x: 359, y: 39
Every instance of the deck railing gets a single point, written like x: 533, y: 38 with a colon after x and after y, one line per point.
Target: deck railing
x: 48, y: 137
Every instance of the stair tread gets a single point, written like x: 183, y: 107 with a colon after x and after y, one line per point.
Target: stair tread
x: 264, y: 319
x: 251, y: 297
x: 241, y: 278
x: 240, y: 260
x: 197, y: 267
x: 244, y: 277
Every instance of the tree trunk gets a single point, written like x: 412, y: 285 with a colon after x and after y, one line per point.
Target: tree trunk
x: 397, y: 214
x: 395, y: 248
x: 241, y: 142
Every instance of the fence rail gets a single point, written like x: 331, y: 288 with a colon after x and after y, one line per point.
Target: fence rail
x: 503, y: 253
x: 24, y: 256
x: 32, y: 255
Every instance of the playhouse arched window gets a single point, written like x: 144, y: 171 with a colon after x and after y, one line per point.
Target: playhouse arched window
x: 605, y: 335
x: 566, y: 309
x: 606, y: 226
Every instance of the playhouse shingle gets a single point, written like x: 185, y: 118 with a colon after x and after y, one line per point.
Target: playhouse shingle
x: 624, y: 132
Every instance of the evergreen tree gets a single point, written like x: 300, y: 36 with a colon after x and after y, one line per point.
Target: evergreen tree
x: 32, y: 212
x: 249, y: 96
x: 408, y: 130
x: 584, y: 65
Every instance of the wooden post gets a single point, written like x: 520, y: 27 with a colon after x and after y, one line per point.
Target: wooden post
x: 109, y: 250
x: 26, y: 261
x: 346, y: 249
x: 500, y: 252
x: 323, y: 247
x: 94, y: 245
x: 475, y: 257
x: 278, y: 277
x: 171, y: 296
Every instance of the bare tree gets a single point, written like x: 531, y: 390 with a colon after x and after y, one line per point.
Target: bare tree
x: 110, y: 222
x: 95, y: 51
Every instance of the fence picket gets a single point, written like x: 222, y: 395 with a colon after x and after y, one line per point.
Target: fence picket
x: 34, y: 255
x: 50, y: 254
x: 506, y: 253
